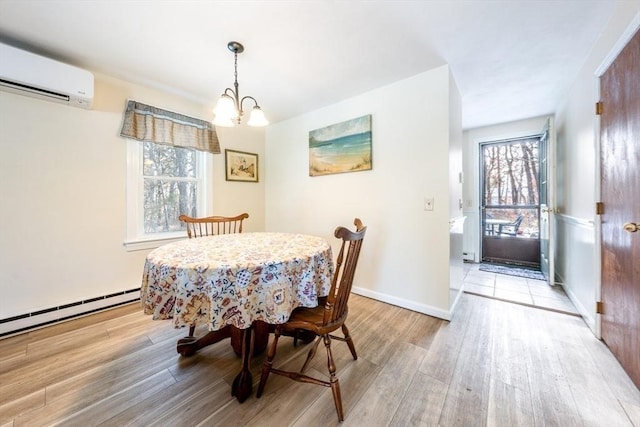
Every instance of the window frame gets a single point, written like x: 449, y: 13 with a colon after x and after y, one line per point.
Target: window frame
x: 136, y: 239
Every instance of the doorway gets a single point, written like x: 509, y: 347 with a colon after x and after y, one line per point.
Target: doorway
x: 510, y: 201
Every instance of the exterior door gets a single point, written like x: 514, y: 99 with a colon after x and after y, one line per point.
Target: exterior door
x: 620, y: 193
x: 510, y: 201
x: 547, y: 203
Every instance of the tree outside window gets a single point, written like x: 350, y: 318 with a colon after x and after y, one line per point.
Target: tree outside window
x: 164, y: 182
x: 170, y: 177
x: 511, y: 183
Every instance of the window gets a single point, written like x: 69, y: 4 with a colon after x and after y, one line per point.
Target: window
x: 164, y: 182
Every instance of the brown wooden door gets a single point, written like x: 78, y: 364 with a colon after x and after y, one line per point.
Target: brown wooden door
x: 620, y: 193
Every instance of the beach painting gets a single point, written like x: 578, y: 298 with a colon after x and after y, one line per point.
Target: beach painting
x: 342, y: 147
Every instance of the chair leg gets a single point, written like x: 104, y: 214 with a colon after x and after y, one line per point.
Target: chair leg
x: 312, y: 352
x: 349, y: 341
x: 268, y: 364
x: 192, y: 329
x: 335, y: 385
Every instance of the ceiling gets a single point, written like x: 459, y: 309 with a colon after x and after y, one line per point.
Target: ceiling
x: 511, y: 59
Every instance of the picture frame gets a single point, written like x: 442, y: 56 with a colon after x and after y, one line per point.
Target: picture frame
x: 240, y: 166
x: 341, y: 147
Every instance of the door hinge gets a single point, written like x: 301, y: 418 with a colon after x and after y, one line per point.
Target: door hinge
x: 599, y: 108
x: 599, y: 208
x: 599, y: 307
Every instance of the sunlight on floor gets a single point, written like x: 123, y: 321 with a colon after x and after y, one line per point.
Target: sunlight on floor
x: 531, y: 292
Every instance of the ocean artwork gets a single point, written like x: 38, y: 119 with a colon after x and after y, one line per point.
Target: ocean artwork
x: 342, y: 147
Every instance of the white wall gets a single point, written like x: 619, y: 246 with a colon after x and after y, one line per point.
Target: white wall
x: 62, y: 197
x: 578, y: 178
x: 456, y: 176
x: 405, y: 257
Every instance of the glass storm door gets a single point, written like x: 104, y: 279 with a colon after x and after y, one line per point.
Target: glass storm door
x: 510, y: 201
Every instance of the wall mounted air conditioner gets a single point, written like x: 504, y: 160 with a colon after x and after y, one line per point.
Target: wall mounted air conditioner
x: 33, y: 75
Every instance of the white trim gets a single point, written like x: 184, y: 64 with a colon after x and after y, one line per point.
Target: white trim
x: 455, y: 302
x: 587, y: 315
x: 583, y: 226
x: 595, y: 324
x: 134, y: 237
x: 401, y: 302
x: 628, y: 33
x: 138, y: 245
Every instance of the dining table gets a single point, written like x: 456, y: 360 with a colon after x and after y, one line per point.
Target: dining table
x: 239, y: 285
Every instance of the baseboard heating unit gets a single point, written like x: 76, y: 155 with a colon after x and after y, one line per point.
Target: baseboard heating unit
x: 38, y: 319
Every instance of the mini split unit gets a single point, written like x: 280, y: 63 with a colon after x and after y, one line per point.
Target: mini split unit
x: 33, y: 75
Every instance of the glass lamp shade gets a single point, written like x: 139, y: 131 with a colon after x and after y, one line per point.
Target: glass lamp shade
x: 225, y: 111
x: 257, y: 118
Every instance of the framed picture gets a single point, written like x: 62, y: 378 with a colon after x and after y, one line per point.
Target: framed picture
x: 342, y: 147
x: 241, y: 166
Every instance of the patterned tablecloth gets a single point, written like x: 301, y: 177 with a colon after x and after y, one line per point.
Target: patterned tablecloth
x: 236, y: 279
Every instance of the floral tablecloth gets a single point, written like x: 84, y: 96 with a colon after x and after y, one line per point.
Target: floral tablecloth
x: 236, y: 279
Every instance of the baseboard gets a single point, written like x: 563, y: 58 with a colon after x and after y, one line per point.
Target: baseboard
x: 400, y: 302
x: 41, y: 318
x: 587, y: 315
x: 578, y: 265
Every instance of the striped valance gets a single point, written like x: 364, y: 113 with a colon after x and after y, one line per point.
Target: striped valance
x: 146, y: 123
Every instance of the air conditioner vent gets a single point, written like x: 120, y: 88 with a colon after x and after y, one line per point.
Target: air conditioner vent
x: 34, y: 90
x: 33, y: 75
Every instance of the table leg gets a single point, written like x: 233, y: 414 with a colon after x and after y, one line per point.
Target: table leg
x: 245, y: 343
x: 243, y: 382
x: 188, y: 346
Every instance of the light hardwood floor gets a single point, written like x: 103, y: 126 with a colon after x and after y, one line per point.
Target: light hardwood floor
x: 495, y: 363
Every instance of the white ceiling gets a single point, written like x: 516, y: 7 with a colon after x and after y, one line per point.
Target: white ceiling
x: 511, y: 59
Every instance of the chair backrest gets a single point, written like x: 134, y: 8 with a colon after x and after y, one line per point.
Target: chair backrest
x: 517, y: 222
x: 511, y: 229
x: 346, y: 262
x: 212, y: 225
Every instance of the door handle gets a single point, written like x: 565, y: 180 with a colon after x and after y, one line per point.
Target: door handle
x: 550, y: 210
x: 631, y: 227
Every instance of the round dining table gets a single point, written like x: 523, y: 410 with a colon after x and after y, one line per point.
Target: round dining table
x: 239, y: 285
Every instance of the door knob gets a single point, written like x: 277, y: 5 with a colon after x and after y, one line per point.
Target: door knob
x: 631, y: 227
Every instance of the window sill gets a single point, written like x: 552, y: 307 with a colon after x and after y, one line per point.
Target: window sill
x: 142, y: 244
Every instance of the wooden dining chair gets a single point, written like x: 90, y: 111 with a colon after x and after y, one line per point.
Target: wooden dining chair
x: 324, y: 319
x: 212, y: 225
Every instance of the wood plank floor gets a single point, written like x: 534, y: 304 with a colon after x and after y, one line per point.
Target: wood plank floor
x: 494, y: 364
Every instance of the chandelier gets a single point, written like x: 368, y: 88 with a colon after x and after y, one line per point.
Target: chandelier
x: 229, y: 109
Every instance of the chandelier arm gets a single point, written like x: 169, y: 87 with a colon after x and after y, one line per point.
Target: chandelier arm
x: 248, y: 97
x: 233, y: 95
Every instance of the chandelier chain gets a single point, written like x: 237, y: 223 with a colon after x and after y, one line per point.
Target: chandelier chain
x: 235, y: 74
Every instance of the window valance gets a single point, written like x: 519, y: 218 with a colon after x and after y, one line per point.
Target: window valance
x: 146, y: 123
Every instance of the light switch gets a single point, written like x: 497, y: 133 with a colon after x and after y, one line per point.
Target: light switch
x: 428, y: 203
